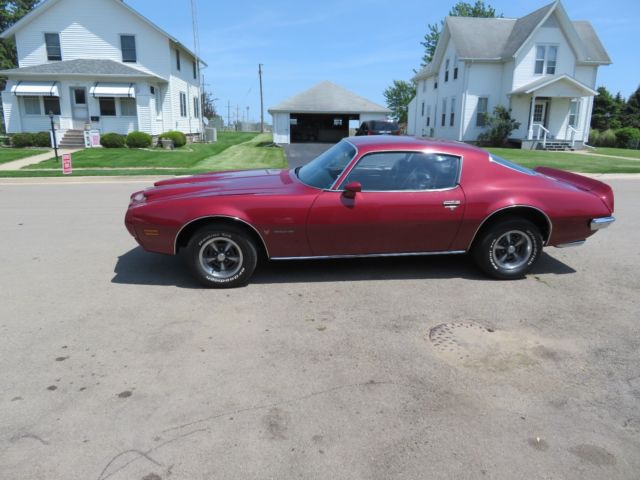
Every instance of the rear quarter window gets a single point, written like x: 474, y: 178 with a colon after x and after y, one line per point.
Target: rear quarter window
x: 513, y: 166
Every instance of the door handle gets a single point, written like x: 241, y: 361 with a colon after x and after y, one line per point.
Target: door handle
x: 451, y: 204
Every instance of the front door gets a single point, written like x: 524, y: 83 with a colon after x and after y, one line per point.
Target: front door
x: 410, y: 202
x: 79, y: 110
x: 540, y: 113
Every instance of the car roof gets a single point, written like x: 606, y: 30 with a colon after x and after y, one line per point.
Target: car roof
x: 405, y: 142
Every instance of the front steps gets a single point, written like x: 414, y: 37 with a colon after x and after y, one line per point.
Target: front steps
x: 72, y: 139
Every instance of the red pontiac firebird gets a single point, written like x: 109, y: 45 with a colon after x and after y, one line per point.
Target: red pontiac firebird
x: 370, y: 196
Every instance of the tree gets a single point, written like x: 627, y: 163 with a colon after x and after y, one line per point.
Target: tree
x: 606, y: 110
x: 398, y: 97
x: 630, y: 115
x: 10, y: 13
x: 500, y: 125
x: 460, y: 9
x: 208, y: 105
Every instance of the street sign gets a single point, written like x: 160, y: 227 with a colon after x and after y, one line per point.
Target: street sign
x: 66, y: 164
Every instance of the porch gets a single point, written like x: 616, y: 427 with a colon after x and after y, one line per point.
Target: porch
x: 553, y: 112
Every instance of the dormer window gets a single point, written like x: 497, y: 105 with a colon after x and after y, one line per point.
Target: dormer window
x: 128, y: 46
x: 54, y: 52
x: 546, y: 57
x: 446, y: 70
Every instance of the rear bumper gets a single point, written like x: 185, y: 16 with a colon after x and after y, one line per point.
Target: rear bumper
x: 600, y: 223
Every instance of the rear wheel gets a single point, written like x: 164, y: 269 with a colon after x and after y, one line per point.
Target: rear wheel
x: 508, y: 249
x: 221, y: 256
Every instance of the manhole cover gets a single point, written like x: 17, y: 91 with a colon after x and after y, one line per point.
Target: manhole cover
x: 459, y: 339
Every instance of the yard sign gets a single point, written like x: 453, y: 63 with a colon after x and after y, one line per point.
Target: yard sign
x: 66, y: 164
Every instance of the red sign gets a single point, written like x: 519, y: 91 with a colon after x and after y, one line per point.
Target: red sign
x: 66, y: 163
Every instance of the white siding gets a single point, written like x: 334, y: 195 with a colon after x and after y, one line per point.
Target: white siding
x: 484, y: 80
x: 281, y: 133
x: 11, y: 112
x: 412, y: 116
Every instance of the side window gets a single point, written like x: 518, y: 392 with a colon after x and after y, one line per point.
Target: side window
x: 411, y: 171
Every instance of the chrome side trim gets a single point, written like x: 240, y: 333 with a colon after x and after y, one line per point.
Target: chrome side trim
x: 577, y: 243
x: 505, y: 208
x: 600, y: 223
x: 373, y: 255
x: 213, y: 217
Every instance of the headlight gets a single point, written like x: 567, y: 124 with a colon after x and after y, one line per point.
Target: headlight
x: 137, y: 197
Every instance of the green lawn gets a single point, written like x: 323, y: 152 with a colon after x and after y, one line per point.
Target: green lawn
x: 576, y: 162
x: 185, y: 157
x: 10, y: 154
x: 256, y: 153
x: 618, y: 152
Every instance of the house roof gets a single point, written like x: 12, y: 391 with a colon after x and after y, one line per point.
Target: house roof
x: 46, y: 4
x: 327, y: 97
x: 547, y: 80
x: 499, y: 39
x: 79, y: 67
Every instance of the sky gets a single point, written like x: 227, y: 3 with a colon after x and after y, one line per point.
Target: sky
x: 362, y: 45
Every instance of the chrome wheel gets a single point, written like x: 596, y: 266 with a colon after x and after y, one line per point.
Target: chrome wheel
x: 512, y: 250
x: 220, y: 257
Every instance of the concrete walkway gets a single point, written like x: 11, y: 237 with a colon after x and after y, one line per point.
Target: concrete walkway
x: 587, y: 152
x: 23, y: 162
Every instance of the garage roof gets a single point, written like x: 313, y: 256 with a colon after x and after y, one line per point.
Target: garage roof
x: 327, y: 97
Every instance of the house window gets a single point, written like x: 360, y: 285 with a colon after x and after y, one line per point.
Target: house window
x: 51, y: 105
x: 79, y: 96
x: 424, y: 86
x: 128, y: 47
x: 435, y: 85
x: 574, y: 109
x: 546, y: 58
x: 152, y: 90
x: 423, y: 109
x: 455, y: 67
x: 183, y: 104
x: 195, y: 70
x: 337, y: 122
x: 538, y: 110
x: 128, y: 107
x: 293, y: 121
x: 32, y: 105
x: 446, y: 70
x: 196, y: 107
x: 107, y: 106
x: 428, y: 115
x: 177, y: 59
x: 54, y: 52
x: 481, y: 113
x: 453, y: 112
x: 444, y: 112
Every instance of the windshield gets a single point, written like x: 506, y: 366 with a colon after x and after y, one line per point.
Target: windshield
x: 323, y: 171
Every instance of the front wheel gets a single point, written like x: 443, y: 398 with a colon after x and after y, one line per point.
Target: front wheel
x: 508, y: 249
x: 221, y: 256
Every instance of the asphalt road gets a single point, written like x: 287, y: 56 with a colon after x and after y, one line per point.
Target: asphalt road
x: 114, y: 364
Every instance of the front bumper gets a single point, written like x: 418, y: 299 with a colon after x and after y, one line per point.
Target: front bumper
x: 600, y: 223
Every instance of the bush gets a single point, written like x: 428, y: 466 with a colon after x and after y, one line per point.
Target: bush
x: 21, y: 140
x: 42, y: 139
x: 500, y: 126
x: 607, y: 139
x: 627, y: 137
x: 179, y: 138
x: 112, y: 140
x: 138, y: 140
x: 594, y: 137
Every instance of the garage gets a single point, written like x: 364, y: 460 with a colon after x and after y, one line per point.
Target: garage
x: 322, y: 114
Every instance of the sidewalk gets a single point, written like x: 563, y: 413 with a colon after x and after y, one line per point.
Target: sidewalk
x: 23, y: 162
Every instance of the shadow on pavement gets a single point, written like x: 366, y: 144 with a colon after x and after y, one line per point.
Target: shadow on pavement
x: 138, y: 267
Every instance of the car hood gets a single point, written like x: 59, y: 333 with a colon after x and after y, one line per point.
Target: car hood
x: 237, y: 182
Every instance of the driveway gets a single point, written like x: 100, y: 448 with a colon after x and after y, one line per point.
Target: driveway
x: 299, y: 154
x: 116, y: 365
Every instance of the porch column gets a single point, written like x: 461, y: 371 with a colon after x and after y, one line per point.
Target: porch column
x: 533, y: 107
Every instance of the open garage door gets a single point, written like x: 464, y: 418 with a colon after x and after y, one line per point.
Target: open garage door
x: 319, y: 128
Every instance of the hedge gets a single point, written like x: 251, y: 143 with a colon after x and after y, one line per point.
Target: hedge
x: 138, y: 140
x: 21, y: 140
x: 42, y: 139
x: 112, y: 140
x: 179, y: 138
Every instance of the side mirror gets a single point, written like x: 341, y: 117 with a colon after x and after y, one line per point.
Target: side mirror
x: 351, y: 188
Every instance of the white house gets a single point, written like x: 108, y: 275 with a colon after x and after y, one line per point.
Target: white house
x: 542, y: 66
x: 99, y: 65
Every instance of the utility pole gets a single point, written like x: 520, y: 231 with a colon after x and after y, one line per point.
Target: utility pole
x: 228, y: 113
x: 261, y: 101
x: 196, y: 51
x: 237, y: 116
x: 247, y: 113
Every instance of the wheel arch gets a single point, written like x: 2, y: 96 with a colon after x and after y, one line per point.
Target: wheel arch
x: 188, y: 229
x: 535, y: 215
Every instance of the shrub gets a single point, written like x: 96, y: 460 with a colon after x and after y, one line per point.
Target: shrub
x: 42, y: 139
x: 627, y: 137
x: 179, y: 138
x: 594, y: 137
x: 500, y: 126
x: 22, y: 140
x: 112, y: 140
x: 607, y: 138
x: 138, y: 140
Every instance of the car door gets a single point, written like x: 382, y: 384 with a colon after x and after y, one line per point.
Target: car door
x: 410, y: 202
